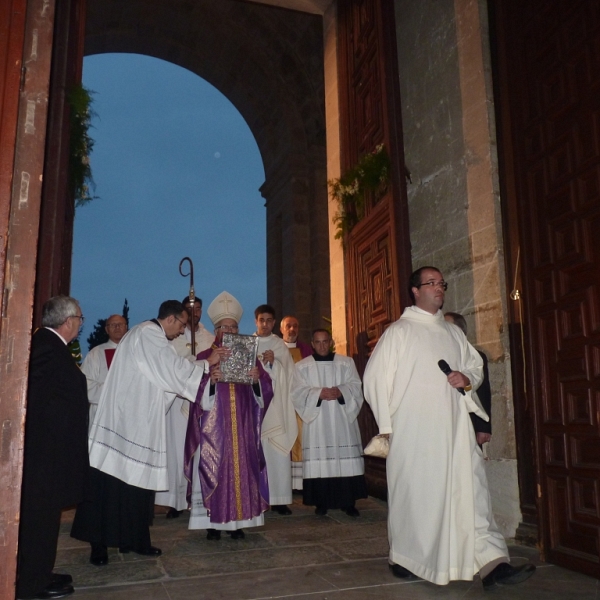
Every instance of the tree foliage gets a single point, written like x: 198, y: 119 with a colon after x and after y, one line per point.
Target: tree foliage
x: 99, y: 335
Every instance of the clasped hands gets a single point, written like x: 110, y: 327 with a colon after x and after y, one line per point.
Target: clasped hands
x: 332, y: 393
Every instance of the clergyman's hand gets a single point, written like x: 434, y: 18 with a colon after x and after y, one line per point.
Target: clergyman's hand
x: 218, y: 354
x: 457, y: 380
x: 215, y: 374
x: 269, y: 356
x: 329, y: 394
x: 254, y: 373
x: 483, y: 437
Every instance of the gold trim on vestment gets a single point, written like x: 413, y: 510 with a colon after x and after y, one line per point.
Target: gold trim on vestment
x: 236, y: 453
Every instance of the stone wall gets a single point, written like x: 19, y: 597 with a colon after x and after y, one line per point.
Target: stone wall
x: 454, y: 202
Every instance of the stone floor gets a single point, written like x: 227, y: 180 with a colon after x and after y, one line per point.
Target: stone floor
x: 299, y: 557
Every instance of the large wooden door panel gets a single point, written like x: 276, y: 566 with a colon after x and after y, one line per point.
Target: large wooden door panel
x: 378, y: 249
x: 551, y: 78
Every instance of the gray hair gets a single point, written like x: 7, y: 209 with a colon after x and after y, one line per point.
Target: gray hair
x: 57, y: 310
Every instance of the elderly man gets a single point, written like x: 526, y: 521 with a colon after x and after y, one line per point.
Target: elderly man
x: 177, y: 417
x: 440, y: 522
x: 127, y: 439
x: 326, y: 391
x: 55, y: 454
x: 227, y: 472
x: 97, y: 362
x: 280, y: 428
x: 289, y: 327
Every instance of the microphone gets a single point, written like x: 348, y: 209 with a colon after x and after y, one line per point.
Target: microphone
x: 446, y: 370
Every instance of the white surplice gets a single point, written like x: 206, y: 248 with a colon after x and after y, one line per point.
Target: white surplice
x: 128, y: 437
x: 440, y: 522
x: 279, y: 428
x: 176, y: 424
x: 331, y: 445
x: 95, y: 369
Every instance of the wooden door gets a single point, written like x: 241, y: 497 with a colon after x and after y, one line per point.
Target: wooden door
x: 378, y: 249
x: 549, y: 84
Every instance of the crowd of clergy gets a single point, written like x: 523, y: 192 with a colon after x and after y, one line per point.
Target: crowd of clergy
x: 167, y: 427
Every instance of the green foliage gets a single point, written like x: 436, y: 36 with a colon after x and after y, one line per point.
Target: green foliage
x: 81, y: 144
x: 125, y: 312
x: 99, y: 335
x: 75, y: 350
x: 370, y: 176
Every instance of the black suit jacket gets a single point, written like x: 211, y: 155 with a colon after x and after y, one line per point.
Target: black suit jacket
x: 56, y: 427
x: 485, y: 396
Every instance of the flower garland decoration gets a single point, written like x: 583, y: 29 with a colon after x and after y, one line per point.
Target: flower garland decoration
x: 370, y: 176
x: 81, y: 144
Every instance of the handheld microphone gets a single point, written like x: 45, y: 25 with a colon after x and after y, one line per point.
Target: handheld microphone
x: 446, y: 370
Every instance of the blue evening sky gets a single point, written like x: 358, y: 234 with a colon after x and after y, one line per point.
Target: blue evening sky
x: 177, y: 173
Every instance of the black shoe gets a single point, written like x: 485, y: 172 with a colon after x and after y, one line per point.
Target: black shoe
x: 213, y: 534
x: 172, y: 513
x: 99, y: 555
x: 238, y: 534
x: 399, y: 571
x: 321, y: 511
x: 61, y: 578
x: 506, y: 574
x: 150, y: 551
x: 54, y: 590
x: 351, y: 511
x: 282, y: 509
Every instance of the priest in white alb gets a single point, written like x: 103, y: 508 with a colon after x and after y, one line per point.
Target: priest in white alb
x: 289, y: 327
x: 280, y: 429
x: 440, y: 524
x: 97, y: 362
x: 177, y: 417
x: 127, y: 441
x: 326, y: 391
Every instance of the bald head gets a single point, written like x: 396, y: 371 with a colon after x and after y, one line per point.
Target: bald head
x: 116, y: 328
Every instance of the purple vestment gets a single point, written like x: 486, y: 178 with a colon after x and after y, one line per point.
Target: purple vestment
x: 232, y: 469
x: 305, y: 349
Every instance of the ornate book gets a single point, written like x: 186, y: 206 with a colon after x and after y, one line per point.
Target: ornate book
x: 243, y: 357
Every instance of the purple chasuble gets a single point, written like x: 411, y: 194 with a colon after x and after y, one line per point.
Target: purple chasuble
x: 233, y: 473
x: 305, y: 349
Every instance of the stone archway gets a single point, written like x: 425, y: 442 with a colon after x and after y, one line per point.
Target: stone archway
x: 269, y: 63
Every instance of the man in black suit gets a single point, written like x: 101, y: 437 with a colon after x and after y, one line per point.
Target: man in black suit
x: 483, y: 429
x: 55, y: 453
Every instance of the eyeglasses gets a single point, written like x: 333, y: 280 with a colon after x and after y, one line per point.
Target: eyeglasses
x: 116, y: 325
x: 441, y: 284
x: 228, y: 327
x: 179, y: 321
x: 80, y: 317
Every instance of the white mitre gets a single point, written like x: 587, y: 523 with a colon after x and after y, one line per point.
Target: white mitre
x: 225, y: 306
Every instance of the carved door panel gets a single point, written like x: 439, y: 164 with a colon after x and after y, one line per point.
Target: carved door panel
x: 378, y: 249
x: 549, y: 57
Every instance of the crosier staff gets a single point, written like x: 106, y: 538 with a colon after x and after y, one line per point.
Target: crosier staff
x: 192, y: 297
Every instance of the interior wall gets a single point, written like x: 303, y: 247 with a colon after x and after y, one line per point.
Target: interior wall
x: 454, y: 202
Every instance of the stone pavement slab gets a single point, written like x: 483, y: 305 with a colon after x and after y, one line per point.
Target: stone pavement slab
x: 298, y: 557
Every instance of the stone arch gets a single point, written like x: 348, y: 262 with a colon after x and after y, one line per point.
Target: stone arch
x: 269, y: 63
